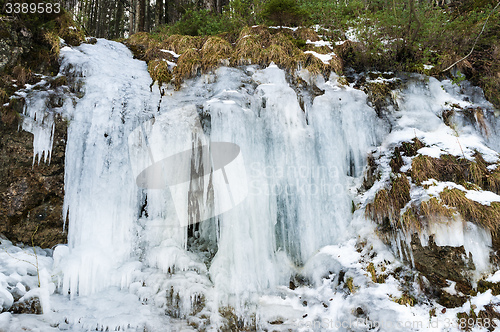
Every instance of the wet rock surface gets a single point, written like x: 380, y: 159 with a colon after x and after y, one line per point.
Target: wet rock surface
x: 31, y: 194
x: 440, y: 265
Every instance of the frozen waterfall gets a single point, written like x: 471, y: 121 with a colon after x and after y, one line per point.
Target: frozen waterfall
x: 297, y: 161
x: 215, y: 196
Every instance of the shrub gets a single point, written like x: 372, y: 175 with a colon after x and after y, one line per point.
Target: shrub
x: 201, y: 23
x: 285, y: 12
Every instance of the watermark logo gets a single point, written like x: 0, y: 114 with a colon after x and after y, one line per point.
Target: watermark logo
x: 205, y: 178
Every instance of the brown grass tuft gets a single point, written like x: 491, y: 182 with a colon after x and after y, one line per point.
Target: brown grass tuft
x: 158, y: 69
x: 336, y: 64
x: 248, y: 50
x: 433, y: 210
x: 314, y: 65
x: 493, y: 180
x: 259, y: 31
x: 142, y: 38
x: 306, y: 34
x: 52, y: 39
x: 318, y: 49
x: 214, y: 52
x: 379, y: 210
x: 486, y: 216
x: 22, y: 75
x: 405, y: 149
x: 387, y: 205
x: 411, y: 220
x: 4, y: 96
x: 68, y: 30
x: 446, y: 168
x: 188, y: 66
x: 458, y: 170
x: 180, y: 44
x: 154, y: 51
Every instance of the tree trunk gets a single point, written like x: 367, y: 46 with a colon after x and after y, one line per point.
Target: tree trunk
x: 132, y: 18
x: 117, y: 31
x: 141, y: 14
x: 158, y: 12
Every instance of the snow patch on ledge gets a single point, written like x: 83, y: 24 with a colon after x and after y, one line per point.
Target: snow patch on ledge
x: 325, y: 58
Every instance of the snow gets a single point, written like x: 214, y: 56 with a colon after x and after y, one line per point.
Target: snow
x: 451, y: 288
x: 432, y: 151
x: 483, y: 197
x: 319, y: 43
x: 325, y: 58
x: 171, y: 52
x: 495, y: 277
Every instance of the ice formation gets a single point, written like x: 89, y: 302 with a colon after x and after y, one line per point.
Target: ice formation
x: 154, y: 219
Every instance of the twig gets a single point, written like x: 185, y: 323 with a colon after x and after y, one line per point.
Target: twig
x: 460, y: 145
x: 475, y: 41
x: 36, y: 256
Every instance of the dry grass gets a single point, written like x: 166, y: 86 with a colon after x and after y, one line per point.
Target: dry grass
x: 337, y: 64
x: 188, y: 66
x: 215, y: 51
x: 458, y: 170
x: 3, y: 96
x: 261, y: 32
x: 379, y: 279
x: 486, y: 216
x: 493, y: 180
x: 180, y: 44
x: 52, y: 39
x: 318, y: 49
x: 433, y: 210
x: 255, y: 45
x: 68, y: 30
x: 411, y: 220
x: 154, y: 52
x: 158, y: 69
x: 406, y: 299
x: 446, y: 168
x: 248, y: 50
x: 349, y: 47
x: 400, y: 192
x: 387, y: 205
x: 140, y: 38
x: 306, y: 34
x: 380, y: 209
x: 405, y: 149
x: 22, y: 75
x: 417, y: 218
x: 314, y: 65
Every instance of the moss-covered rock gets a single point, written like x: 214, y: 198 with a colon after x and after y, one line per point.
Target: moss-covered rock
x: 15, y: 40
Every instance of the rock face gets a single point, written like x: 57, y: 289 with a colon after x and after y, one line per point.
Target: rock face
x: 31, y: 195
x: 441, y: 264
x: 15, y: 40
